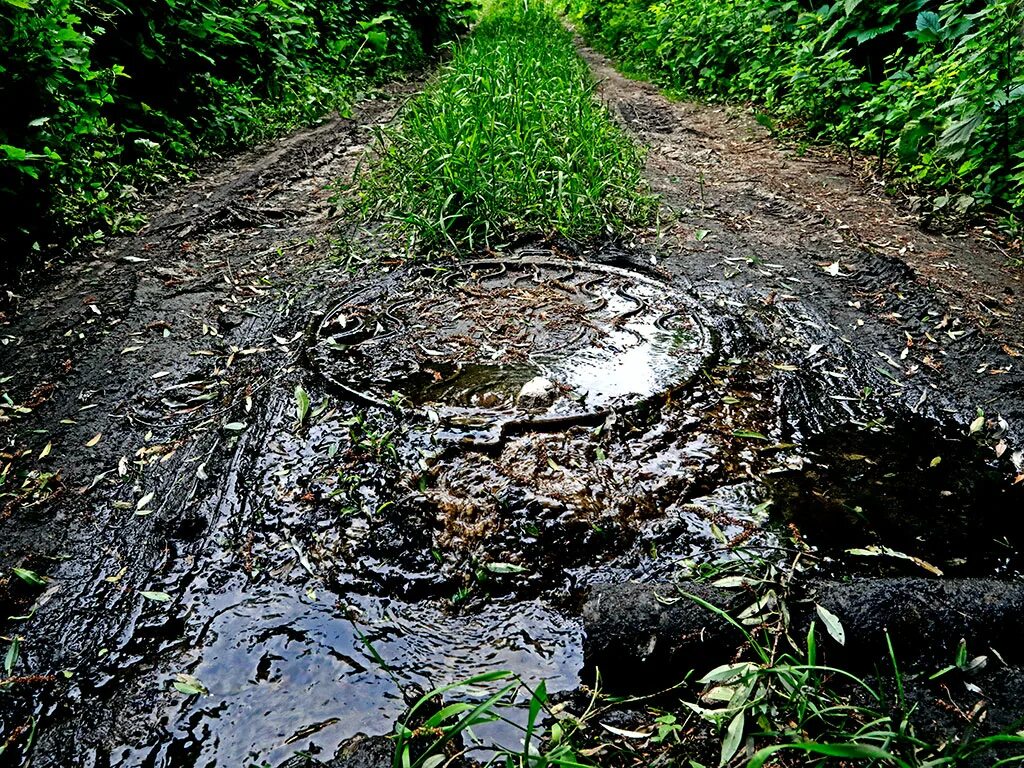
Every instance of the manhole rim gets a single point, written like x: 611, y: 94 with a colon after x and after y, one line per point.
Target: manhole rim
x: 517, y: 421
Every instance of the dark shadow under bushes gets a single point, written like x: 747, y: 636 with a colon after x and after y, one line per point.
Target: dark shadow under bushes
x: 104, y: 97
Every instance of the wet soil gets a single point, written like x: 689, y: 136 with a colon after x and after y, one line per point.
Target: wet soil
x: 251, y: 548
x: 801, y: 239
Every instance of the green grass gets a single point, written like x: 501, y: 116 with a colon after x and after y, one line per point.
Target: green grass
x: 105, y: 100
x: 508, y: 140
x: 777, y: 705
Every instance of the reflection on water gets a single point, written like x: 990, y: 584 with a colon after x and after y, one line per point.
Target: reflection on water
x: 286, y: 673
x: 635, y: 358
x: 459, y: 352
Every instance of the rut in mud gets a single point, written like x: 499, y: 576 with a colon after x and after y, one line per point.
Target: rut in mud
x: 307, y: 489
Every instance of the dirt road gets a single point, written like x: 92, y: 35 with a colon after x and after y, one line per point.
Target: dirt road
x: 229, y: 580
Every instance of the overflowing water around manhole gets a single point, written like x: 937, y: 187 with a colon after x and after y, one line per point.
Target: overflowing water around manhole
x: 345, y: 568
x: 288, y: 673
x: 497, y: 344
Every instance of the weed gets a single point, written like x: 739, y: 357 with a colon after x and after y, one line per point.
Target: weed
x: 508, y: 141
x: 366, y: 439
x: 432, y: 732
x: 798, y: 704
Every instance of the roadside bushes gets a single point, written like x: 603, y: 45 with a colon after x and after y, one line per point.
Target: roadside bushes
x: 102, y: 97
x: 508, y: 141
x: 936, y: 91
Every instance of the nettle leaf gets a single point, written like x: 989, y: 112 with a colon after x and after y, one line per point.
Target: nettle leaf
x: 910, y: 139
x: 377, y: 39
x: 929, y: 21
x: 959, y: 133
x: 13, y: 153
x: 867, y: 35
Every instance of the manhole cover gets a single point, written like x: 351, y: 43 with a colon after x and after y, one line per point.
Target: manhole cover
x: 490, y: 345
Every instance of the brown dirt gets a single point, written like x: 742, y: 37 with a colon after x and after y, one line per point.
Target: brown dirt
x: 759, y: 219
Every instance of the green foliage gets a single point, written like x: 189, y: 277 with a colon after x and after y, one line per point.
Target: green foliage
x: 508, y: 140
x: 102, y: 97
x: 432, y: 730
x: 935, y: 90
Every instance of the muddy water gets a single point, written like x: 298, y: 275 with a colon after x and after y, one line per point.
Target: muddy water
x: 322, y: 576
x: 911, y: 487
x: 329, y: 586
x: 288, y: 610
x: 288, y: 672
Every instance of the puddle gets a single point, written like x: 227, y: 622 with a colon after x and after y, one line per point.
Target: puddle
x: 287, y: 674
x: 458, y: 346
x: 455, y: 562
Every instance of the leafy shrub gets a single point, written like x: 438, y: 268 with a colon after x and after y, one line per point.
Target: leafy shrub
x: 104, y: 96
x: 936, y: 90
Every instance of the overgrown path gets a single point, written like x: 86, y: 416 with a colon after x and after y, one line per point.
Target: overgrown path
x: 235, y: 573
x: 790, y: 233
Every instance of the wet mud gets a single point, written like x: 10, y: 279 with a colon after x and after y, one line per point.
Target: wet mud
x: 273, y: 494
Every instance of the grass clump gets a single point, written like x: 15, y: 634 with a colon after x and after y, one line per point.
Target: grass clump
x: 508, y: 140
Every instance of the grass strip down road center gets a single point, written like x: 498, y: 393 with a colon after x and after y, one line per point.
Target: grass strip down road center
x: 508, y: 140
